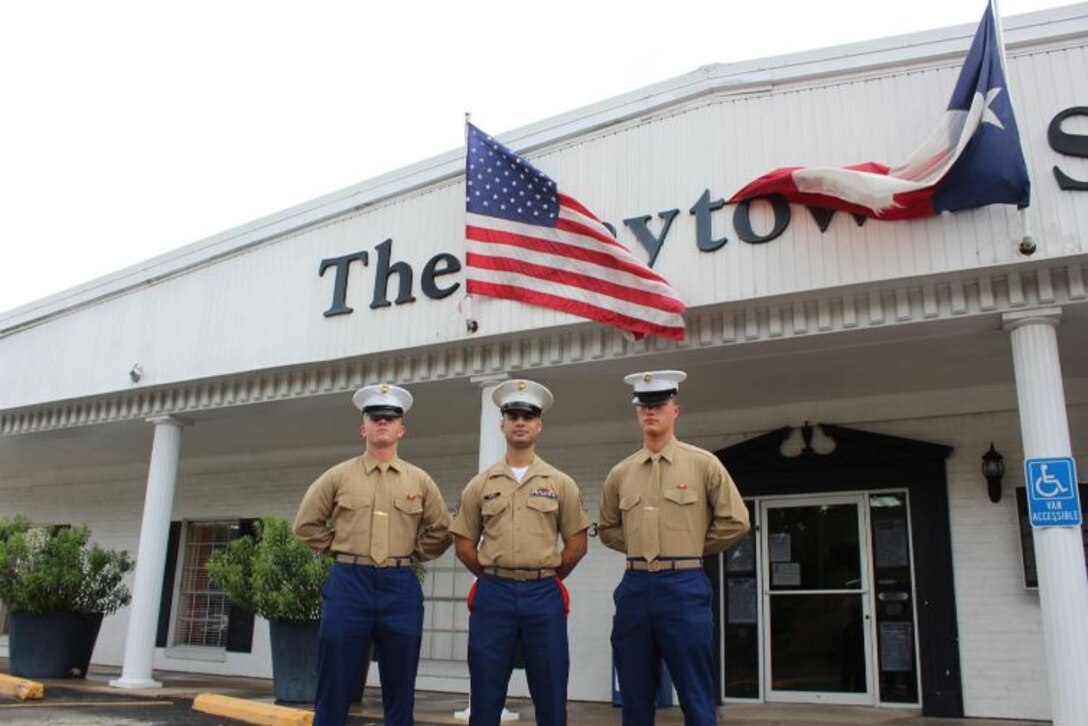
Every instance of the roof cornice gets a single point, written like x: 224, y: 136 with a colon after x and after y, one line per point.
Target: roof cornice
x: 978, y: 297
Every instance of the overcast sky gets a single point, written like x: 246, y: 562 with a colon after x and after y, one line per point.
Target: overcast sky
x: 128, y: 129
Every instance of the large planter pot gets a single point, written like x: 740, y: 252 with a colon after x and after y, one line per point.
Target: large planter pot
x: 52, y: 645
x: 294, y: 661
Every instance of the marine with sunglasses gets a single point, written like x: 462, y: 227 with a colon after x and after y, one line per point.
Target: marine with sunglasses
x: 506, y: 530
x: 377, y: 515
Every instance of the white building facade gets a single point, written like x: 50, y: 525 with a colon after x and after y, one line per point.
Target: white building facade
x: 850, y: 375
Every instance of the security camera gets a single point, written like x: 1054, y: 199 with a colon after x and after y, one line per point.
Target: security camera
x: 472, y: 326
x: 1027, y: 246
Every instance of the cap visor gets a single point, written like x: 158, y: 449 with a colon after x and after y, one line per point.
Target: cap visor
x: 524, y: 407
x: 653, y: 398
x: 383, y: 411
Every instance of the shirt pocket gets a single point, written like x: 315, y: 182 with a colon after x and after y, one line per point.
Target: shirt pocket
x: 351, y: 504
x: 496, y: 520
x: 493, y: 507
x: 679, y: 510
x: 351, y: 520
x: 543, y: 515
x: 404, y: 526
x: 631, y: 516
x: 410, y: 507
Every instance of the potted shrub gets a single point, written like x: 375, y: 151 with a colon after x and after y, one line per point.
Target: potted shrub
x: 57, y: 586
x: 277, y: 577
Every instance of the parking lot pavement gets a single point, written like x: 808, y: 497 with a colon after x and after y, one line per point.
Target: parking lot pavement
x: 77, y: 707
x: 92, y: 702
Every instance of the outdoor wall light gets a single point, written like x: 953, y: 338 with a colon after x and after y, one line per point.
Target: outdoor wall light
x: 136, y: 373
x: 993, y: 468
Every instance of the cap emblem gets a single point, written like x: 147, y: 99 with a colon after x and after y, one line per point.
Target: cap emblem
x: 385, y: 388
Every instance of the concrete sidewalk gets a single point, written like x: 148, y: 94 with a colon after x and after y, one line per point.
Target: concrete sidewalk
x: 437, y: 709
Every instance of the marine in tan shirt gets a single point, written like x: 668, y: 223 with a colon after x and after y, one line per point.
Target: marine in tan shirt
x: 517, y: 522
x: 507, y: 526
x: 666, y: 507
x: 377, y: 514
x: 675, y: 505
x: 376, y: 509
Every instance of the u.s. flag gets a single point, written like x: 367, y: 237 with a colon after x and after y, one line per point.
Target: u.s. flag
x: 527, y: 241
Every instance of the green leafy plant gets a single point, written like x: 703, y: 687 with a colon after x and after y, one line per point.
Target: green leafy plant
x: 58, y: 569
x: 271, y: 573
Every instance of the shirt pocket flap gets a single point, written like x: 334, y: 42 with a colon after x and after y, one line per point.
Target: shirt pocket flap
x: 409, y: 506
x: 629, y: 502
x: 352, y: 501
x: 681, y: 496
x: 542, y: 504
x: 494, y: 505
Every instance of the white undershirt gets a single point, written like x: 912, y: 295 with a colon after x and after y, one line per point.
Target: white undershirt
x: 519, y: 472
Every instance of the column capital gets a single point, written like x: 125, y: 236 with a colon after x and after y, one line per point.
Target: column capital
x: 490, y: 379
x: 1045, y: 316
x: 168, y: 420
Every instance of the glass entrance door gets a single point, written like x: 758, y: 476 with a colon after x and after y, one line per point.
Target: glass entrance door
x: 816, y: 600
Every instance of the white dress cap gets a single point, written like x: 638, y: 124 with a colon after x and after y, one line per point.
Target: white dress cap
x: 654, y: 387
x: 382, y: 398
x: 522, y: 395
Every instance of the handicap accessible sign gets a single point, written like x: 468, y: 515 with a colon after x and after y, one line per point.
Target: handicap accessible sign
x: 1052, y: 492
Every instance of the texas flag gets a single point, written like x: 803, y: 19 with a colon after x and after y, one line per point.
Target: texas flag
x: 972, y: 159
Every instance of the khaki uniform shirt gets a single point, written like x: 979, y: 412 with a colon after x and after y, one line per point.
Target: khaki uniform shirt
x: 680, y: 501
x: 364, y: 507
x: 519, y: 521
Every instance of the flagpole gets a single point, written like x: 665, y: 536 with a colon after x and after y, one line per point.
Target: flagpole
x: 1027, y: 242
x: 465, y: 306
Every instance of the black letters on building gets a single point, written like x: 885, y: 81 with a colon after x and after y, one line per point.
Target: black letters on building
x: 340, y: 287
x: 446, y: 263
x: 1068, y: 144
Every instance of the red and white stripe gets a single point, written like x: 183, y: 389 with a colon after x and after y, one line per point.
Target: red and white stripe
x: 576, y: 267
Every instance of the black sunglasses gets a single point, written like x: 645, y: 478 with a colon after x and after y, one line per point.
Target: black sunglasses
x: 382, y: 416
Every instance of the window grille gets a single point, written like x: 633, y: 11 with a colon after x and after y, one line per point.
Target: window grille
x: 202, y: 610
x: 445, y: 615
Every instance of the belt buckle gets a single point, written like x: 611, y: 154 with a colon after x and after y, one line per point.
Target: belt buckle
x: 653, y: 565
x: 521, y: 575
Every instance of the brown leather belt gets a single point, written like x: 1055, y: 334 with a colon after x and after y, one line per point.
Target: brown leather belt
x: 685, y: 563
x: 369, y: 561
x: 521, y: 575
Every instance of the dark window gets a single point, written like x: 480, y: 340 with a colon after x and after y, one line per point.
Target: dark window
x: 893, y: 583
x: 741, y: 624
x: 1027, y: 539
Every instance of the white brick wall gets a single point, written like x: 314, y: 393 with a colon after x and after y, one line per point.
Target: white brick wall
x: 1001, y: 656
x: 999, y: 621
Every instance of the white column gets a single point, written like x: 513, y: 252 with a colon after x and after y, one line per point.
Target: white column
x: 1059, y: 551
x: 143, y: 614
x: 492, y: 442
